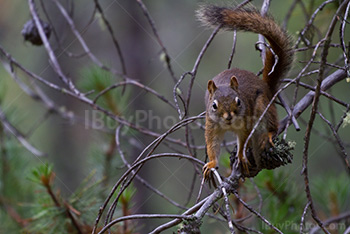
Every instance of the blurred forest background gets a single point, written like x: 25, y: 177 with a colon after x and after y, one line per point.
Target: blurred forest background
x: 61, y: 191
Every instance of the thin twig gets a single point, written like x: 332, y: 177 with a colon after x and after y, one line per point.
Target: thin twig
x: 227, y: 203
x: 343, y: 117
x: 174, y: 222
x: 259, y: 194
x: 53, y: 58
x: 111, y: 32
x: 139, y: 178
x: 327, y: 95
x: 344, y: 155
x: 306, y: 101
x: 135, y: 83
x: 195, y: 67
x: 155, y: 32
x: 19, y: 136
x: 82, y: 41
x: 310, y: 23
x: 289, y: 112
x: 55, y: 33
x: 144, y: 216
x: 233, y: 50
x: 261, y: 43
x: 257, y: 213
x: 328, y: 64
x: 336, y: 219
x: 341, y: 35
x: 272, y: 52
x: 302, y: 220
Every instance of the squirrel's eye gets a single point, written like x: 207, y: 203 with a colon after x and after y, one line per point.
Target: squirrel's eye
x: 215, y: 105
x: 238, y: 101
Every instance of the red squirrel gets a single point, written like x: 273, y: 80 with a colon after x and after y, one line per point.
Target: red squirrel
x: 236, y: 98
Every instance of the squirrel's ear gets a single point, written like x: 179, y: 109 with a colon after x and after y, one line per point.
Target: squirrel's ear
x: 234, y: 83
x: 211, y: 86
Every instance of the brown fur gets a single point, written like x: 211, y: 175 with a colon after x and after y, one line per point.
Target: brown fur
x: 240, y: 97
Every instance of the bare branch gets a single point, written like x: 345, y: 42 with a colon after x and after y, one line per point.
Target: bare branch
x: 257, y: 213
x: 302, y: 220
x: 233, y: 49
x: 177, y: 221
x: 227, y: 206
x: 313, y: 114
x: 310, y: 23
x: 336, y: 219
x: 81, y: 40
x: 135, y: 83
x: 327, y: 95
x: 193, y: 75
x: 342, y: 30
x: 262, y: 43
x: 144, y: 216
x: 307, y: 99
x: 143, y: 181
x: 155, y: 32
x: 49, y: 50
x: 111, y: 32
x: 344, y: 155
x: 19, y: 136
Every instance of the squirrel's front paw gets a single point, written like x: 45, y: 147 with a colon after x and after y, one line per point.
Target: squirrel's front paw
x: 207, y: 169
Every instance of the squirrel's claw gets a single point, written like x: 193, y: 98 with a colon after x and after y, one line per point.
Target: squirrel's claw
x: 270, y: 135
x: 207, y: 169
x: 267, y: 141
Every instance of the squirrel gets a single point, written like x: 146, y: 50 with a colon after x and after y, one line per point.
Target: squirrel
x: 235, y: 98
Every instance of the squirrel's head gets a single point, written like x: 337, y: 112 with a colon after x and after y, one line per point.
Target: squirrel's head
x: 224, y: 105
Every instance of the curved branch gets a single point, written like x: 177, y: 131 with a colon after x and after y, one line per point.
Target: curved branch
x: 143, y: 216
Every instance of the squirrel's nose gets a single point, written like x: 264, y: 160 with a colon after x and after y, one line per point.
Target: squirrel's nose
x: 229, y: 117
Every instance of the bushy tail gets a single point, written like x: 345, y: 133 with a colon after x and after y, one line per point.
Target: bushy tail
x: 248, y: 19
